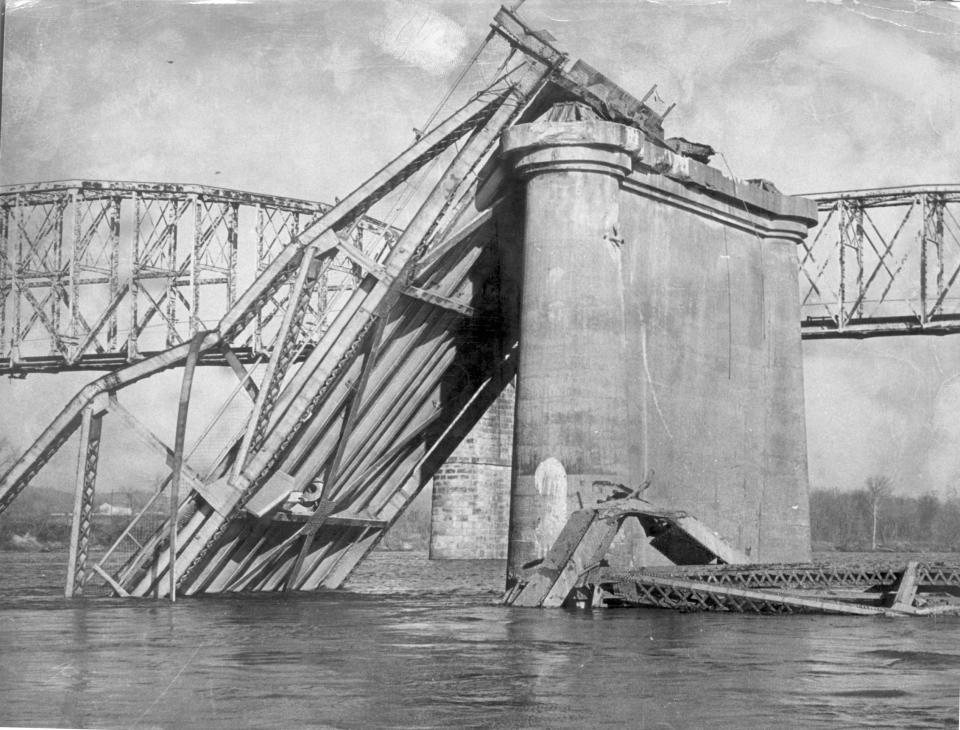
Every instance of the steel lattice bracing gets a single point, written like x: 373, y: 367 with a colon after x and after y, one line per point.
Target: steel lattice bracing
x: 882, y: 262
x: 350, y: 409
x: 376, y: 349
x: 881, y: 589
x: 96, y: 274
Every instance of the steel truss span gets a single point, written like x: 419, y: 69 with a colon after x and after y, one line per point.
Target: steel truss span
x: 918, y: 589
x: 882, y: 262
x: 96, y: 274
x: 363, y: 354
x: 356, y: 397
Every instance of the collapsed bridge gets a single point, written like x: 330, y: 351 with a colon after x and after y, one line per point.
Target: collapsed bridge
x: 367, y: 350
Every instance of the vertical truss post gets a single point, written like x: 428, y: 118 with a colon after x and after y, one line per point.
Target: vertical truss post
x: 197, y: 203
x: 75, y: 253
x: 56, y: 303
x: 842, y: 303
x: 233, y: 225
x: 171, y: 215
x: 15, y: 284
x: 933, y: 232
x: 938, y: 207
x: 135, y: 267
x: 858, y: 247
x: 179, y: 442
x: 294, y: 232
x: 323, y: 302
x: 87, y: 457
x: 922, y: 240
x: 113, y: 221
x: 258, y: 327
x: 4, y: 276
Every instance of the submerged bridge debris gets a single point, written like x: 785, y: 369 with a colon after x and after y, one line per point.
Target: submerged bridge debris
x: 575, y: 572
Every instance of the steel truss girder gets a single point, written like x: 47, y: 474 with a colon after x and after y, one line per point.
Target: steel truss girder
x: 882, y: 262
x: 95, y: 271
x: 211, y: 510
x: 294, y: 416
x: 372, y: 425
x: 810, y: 576
x: 85, y: 489
x: 856, y: 589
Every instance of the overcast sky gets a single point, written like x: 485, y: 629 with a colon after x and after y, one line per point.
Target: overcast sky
x: 307, y: 98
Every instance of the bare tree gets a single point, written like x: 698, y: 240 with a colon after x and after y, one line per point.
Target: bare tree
x: 879, y: 488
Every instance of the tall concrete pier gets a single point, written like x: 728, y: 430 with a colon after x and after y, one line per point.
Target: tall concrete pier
x: 660, y: 341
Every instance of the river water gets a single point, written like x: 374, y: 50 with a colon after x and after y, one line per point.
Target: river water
x: 415, y: 643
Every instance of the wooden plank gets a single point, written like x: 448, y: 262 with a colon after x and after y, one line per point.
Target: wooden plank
x: 543, y: 577
x: 591, y: 550
x: 271, y: 495
x: 694, y: 528
x: 465, y: 310
x: 907, y: 592
x: 711, y: 540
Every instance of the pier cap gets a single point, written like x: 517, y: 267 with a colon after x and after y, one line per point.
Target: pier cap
x: 554, y: 143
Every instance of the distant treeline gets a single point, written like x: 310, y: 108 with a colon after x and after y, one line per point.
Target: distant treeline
x: 40, y: 519
x: 844, y: 520
x: 838, y: 519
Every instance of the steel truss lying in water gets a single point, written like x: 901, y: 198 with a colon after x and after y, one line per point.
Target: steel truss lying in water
x: 575, y: 572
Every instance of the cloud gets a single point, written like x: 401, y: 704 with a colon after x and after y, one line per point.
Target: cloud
x: 419, y: 36
x: 13, y: 5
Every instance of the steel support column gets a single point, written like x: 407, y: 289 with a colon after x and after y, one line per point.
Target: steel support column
x: 88, y: 456
x: 172, y: 219
x: 135, y: 268
x: 113, y: 220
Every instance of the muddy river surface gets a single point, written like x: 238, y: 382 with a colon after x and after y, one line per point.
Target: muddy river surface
x: 415, y: 643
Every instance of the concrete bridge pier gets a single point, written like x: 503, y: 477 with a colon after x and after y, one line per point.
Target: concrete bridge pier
x: 659, y: 340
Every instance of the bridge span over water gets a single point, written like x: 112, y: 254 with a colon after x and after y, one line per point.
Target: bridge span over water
x: 95, y: 274
x: 367, y: 344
